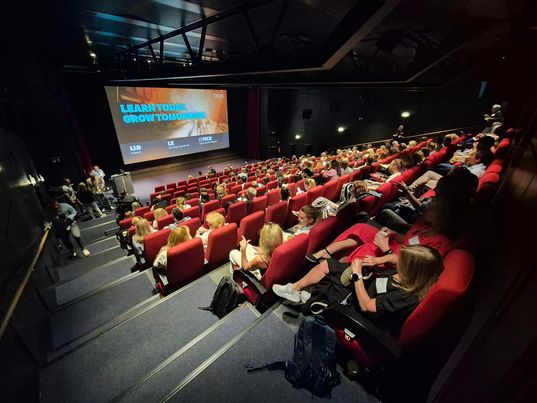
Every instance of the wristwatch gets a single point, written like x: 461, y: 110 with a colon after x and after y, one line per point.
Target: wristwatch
x: 356, y: 277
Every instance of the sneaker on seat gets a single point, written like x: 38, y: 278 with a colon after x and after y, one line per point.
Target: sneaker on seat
x: 287, y: 292
x: 85, y: 252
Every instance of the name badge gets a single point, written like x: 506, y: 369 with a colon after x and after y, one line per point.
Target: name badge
x: 382, y: 285
x: 414, y: 241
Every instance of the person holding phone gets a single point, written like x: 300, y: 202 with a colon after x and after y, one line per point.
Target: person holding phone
x: 257, y: 259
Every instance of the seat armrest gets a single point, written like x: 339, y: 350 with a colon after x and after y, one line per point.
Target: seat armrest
x: 251, y: 281
x: 362, y: 327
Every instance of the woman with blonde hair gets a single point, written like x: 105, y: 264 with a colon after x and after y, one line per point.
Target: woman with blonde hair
x: 177, y: 236
x: 220, y: 192
x: 180, y: 203
x: 158, y: 213
x: 214, y: 221
x: 257, y: 259
x: 392, y: 297
x: 143, y: 228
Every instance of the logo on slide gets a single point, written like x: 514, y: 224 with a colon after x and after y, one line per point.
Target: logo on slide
x: 171, y: 143
x: 135, y: 147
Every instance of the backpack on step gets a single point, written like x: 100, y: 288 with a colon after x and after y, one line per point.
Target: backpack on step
x: 227, y: 297
x: 313, y: 366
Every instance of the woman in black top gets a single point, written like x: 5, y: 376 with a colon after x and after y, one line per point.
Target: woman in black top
x: 392, y: 297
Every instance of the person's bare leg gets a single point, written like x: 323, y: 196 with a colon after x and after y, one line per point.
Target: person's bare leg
x: 312, y: 277
x: 335, y: 247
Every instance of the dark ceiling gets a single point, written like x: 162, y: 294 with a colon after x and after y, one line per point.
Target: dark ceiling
x: 290, y: 42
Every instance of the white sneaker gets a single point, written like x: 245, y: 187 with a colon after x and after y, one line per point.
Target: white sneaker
x: 287, y: 292
x: 102, y: 215
x: 304, y: 296
x: 85, y: 252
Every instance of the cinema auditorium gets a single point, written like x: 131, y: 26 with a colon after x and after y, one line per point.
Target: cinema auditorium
x: 268, y: 201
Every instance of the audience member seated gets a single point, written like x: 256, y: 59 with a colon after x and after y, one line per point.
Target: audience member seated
x: 176, y: 237
x: 390, y: 298
x: 458, y: 184
x: 257, y: 259
x: 204, y: 196
x: 178, y: 218
x: 220, y: 192
x: 477, y: 164
x: 143, y: 228
x: 214, y: 221
x: 158, y: 213
x: 395, y: 169
x: 180, y: 203
x: 440, y: 227
x: 308, y: 216
x: 333, y: 171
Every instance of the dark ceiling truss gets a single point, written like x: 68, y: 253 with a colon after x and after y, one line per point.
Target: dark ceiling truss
x: 196, y: 57
x: 353, y: 27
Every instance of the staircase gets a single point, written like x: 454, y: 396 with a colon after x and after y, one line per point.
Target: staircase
x: 113, y: 338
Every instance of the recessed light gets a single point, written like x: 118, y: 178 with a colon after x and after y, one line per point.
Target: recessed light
x: 341, y: 129
x: 405, y: 114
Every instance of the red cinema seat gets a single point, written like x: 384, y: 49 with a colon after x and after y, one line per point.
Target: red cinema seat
x: 295, y: 204
x: 132, y: 230
x: 185, y: 264
x: 331, y: 190
x: 235, y: 189
x: 171, y: 186
x: 193, y: 224
x: 250, y: 227
x: 300, y: 185
x: 258, y: 204
x: 486, y: 189
x: 194, y: 195
x: 170, y: 208
x: 193, y: 202
x: 314, y: 193
x: 152, y: 244
x: 141, y: 211
x: 159, y: 189
x: 261, y: 190
x: 341, y: 181
x: 283, y: 268
x: 433, y: 320
x: 167, y: 197
x: 273, y: 196
x: 149, y: 216
x: 226, y: 199
x: 153, y: 196
x: 272, y: 185
x: 277, y: 213
x: 208, y: 207
x: 236, y: 212
x: 292, y: 188
x: 182, y: 184
x: 321, y: 234
x: 192, y: 211
x: 165, y: 221
x: 221, y: 241
x: 372, y: 204
x: 179, y: 193
x: 125, y: 224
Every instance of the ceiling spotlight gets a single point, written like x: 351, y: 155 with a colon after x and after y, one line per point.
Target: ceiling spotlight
x: 133, y: 59
x: 405, y: 114
x: 92, y: 54
x: 298, y: 136
x: 341, y: 129
x: 149, y: 61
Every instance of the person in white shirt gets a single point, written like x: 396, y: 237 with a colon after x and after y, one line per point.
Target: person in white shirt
x: 214, y: 221
x: 97, y: 172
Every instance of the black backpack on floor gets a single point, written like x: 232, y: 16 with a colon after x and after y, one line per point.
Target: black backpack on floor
x: 313, y: 366
x: 227, y: 297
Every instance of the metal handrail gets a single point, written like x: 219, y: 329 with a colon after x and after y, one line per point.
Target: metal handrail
x: 22, y: 286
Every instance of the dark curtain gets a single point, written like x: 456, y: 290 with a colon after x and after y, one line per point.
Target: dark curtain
x: 253, y: 123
